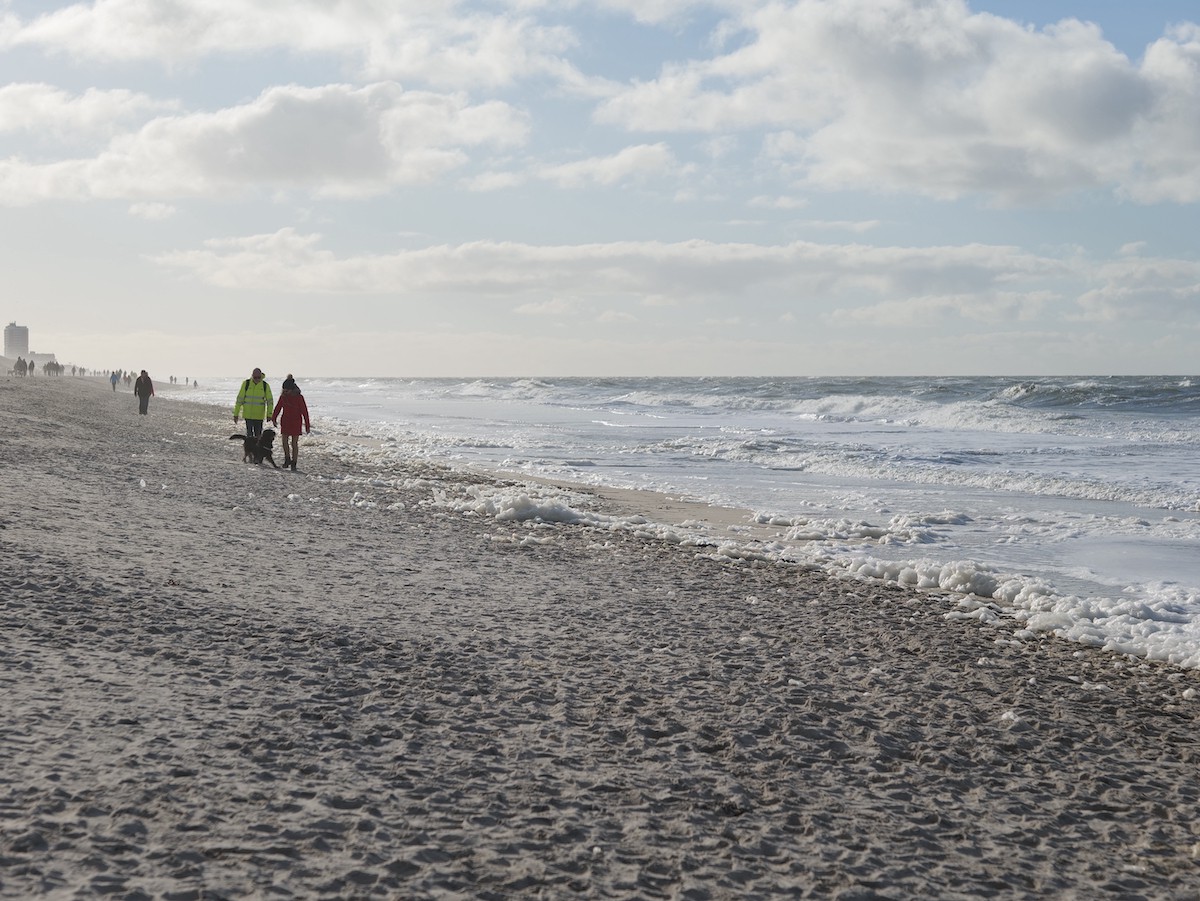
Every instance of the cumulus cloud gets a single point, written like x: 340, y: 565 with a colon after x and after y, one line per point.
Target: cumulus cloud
x: 920, y: 96
x: 1144, y: 288
x: 929, y: 97
x: 333, y: 141
x: 442, y: 43
x: 35, y: 108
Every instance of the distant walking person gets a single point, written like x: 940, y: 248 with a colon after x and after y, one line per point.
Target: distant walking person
x: 295, y: 413
x: 114, y: 378
x: 254, y: 402
x: 144, y: 389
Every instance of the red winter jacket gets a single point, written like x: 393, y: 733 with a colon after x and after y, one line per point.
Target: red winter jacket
x: 295, y: 412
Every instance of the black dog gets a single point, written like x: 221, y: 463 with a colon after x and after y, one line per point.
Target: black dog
x: 257, y: 449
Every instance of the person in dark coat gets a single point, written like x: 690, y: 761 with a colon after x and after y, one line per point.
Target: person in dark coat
x: 144, y: 389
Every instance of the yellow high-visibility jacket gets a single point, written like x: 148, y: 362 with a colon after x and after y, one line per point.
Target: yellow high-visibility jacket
x: 254, y: 401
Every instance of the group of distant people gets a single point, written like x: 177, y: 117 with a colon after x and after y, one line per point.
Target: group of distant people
x: 25, y: 367
x: 254, y: 399
x: 123, y: 375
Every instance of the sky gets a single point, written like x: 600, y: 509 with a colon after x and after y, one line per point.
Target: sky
x: 617, y: 187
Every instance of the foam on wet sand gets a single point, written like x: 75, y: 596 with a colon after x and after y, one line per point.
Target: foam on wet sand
x: 221, y: 680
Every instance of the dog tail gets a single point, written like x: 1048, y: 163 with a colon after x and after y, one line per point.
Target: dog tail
x: 237, y: 437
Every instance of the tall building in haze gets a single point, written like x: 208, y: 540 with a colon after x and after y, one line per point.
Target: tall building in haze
x: 16, y: 340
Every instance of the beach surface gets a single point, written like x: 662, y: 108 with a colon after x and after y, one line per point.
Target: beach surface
x: 225, y: 681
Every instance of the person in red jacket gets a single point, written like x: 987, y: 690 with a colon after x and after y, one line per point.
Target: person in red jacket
x: 295, y: 413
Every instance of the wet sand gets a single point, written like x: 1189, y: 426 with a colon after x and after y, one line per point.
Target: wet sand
x: 226, y: 681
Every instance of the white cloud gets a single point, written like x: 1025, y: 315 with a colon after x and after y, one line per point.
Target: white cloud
x: 631, y: 162
x: 858, y: 227
x: 618, y: 317
x: 928, y: 97
x: 439, y: 42
x: 818, y: 277
x: 331, y: 141
x: 493, y: 181
x: 988, y: 307
x: 555, y: 307
x: 647, y: 11
x: 40, y: 108
x: 919, y: 96
x: 1144, y: 288
x: 1168, y: 146
x: 779, y: 202
x: 155, y: 212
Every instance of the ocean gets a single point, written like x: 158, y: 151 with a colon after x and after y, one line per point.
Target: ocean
x: 1068, y: 505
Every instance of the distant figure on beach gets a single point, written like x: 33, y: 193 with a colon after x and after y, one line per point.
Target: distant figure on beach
x: 19, y: 369
x: 295, y: 413
x: 114, y: 378
x: 254, y: 402
x: 144, y: 389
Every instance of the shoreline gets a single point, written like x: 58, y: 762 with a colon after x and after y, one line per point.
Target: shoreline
x: 1067, y: 557
x: 226, y: 679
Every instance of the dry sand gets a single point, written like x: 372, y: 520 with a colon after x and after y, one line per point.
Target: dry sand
x: 223, y: 681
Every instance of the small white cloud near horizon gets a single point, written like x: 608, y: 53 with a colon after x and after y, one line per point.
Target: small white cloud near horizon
x: 632, y: 162
x: 857, y: 227
x: 781, y: 202
x: 620, y: 317
x: 555, y: 307
x: 155, y: 212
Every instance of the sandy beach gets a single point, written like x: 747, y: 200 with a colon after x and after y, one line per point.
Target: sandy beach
x: 224, y: 681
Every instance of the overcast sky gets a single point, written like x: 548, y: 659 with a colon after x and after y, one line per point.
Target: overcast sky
x: 613, y: 187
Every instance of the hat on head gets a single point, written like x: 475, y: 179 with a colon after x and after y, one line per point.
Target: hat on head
x: 289, y: 382
x: 257, y: 373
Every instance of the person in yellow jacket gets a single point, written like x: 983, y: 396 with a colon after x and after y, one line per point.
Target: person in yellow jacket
x: 254, y: 403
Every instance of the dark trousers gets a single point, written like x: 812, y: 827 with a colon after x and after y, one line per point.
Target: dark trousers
x: 143, y: 403
x: 254, y: 427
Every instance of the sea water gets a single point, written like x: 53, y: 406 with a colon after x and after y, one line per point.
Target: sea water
x: 1072, y: 504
